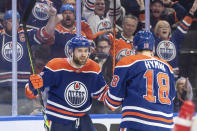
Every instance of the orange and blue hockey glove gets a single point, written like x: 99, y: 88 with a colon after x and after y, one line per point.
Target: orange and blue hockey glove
x: 36, y: 81
x: 29, y: 93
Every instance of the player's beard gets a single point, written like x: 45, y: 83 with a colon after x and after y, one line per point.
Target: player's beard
x: 80, y: 60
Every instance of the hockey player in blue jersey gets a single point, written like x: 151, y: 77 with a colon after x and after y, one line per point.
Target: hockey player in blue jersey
x: 144, y: 86
x: 73, y: 82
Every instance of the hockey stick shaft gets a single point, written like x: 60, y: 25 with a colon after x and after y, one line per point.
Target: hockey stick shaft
x: 114, y: 35
x: 25, y: 18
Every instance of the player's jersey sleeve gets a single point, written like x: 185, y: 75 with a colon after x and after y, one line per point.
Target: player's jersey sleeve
x: 48, y: 74
x: 181, y: 31
x: 86, y: 29
x: 98, y: 86
x: 117, y: 88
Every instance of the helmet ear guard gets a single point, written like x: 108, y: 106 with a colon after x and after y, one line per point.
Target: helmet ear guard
x: 144, y: 40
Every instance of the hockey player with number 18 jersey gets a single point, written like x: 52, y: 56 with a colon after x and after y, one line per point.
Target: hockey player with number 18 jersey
x: 144, y: 86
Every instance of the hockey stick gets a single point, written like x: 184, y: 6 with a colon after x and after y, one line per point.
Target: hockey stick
x: 24, y: 21
x: 25, y: 18
x: 114, y: 35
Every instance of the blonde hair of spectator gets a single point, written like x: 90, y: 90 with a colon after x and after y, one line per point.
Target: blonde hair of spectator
x: 159, y: 23
x: 187, y: 85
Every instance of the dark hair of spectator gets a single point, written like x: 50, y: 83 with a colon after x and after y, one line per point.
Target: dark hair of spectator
x: 157, y: 1
x: 102, y: 37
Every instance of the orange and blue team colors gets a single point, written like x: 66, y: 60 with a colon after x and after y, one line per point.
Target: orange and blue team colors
x: 144, y: 86
x: 23, y: 61
x: 63, y: 35
x: 71, y: 90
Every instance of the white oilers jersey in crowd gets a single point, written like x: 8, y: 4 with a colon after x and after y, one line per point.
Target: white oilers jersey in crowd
x: 71, y: 90
x: 23, y: 63
x: 168, y: 49
x: 100, y: 23
x: 145, y: 88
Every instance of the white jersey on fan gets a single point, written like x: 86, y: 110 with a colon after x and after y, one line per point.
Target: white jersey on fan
x: 100, y: 23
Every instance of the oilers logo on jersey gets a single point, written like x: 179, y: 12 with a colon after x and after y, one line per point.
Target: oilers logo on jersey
x: 124, y: 52
x: 66, y: 49
x: 104, y: 25
x: 39, y: 11
x: 166, y: 50
x: 7, y: 51
x: 76, y: 94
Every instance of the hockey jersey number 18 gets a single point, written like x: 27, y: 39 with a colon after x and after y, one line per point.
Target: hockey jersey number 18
x: 144, y: 86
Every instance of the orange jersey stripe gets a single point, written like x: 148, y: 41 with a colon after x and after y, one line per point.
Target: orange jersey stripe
x: 62, y: 63
x: 65, y: 112
x: 90, y: 5
x: 147, y: 117
x: 184, y: 27
x: 113, y: 102
x: 110, y: 107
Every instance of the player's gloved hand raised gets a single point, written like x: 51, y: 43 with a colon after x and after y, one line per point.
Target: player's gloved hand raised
x: 36, y: 81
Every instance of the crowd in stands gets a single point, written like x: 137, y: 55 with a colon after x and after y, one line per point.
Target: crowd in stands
x: 110, y: 25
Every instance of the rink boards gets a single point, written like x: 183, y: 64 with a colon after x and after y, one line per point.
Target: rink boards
x: 103, y: 122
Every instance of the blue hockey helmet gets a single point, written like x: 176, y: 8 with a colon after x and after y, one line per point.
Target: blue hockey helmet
x: 143, y: 40
x: 79, y: 41
x: 8, y: 15
x: 67, y: 7
x: 76, y: 42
